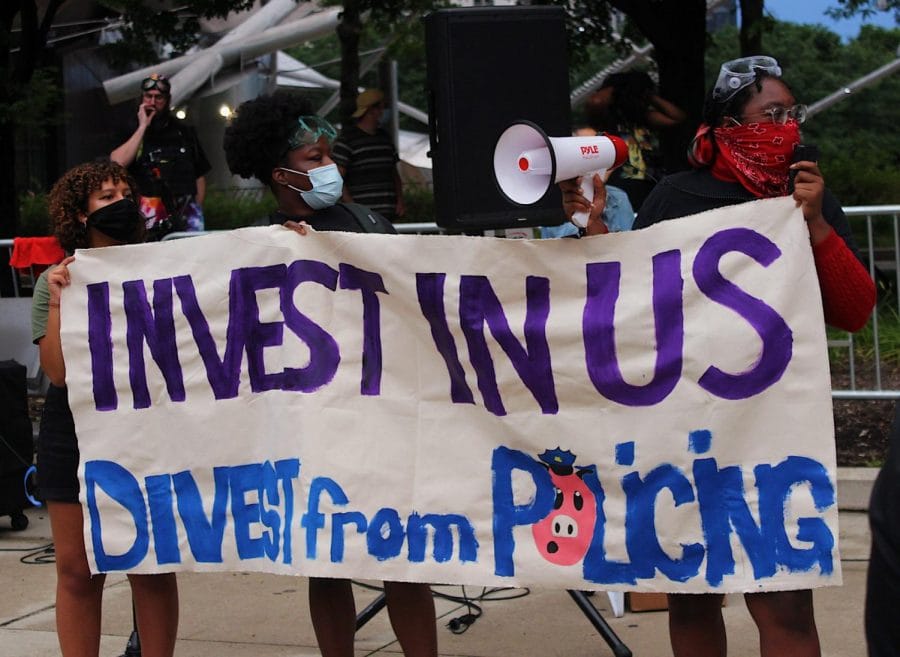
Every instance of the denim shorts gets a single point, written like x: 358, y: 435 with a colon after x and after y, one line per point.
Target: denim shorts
x: 57, y: 450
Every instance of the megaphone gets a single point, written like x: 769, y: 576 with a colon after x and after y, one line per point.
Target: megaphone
x: 527, y: 162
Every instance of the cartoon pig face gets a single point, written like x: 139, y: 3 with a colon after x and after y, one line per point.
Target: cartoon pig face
x: 564, y: 535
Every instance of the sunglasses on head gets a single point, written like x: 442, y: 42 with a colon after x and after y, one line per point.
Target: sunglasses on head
x: 309, y: 130
x: 156, y: 81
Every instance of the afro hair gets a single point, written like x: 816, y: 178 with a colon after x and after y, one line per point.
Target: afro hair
x: 256, y: 139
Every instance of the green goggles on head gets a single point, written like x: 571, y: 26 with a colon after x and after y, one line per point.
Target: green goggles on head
x: 309, y: 130
x: 156, y: 81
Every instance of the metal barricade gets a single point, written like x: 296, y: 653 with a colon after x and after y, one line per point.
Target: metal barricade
x: 7, y: 247
x: 881, y: 260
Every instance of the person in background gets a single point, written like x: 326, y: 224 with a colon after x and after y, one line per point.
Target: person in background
x: 91, y: 206
x: 883, y: 577
x: 367, y: 159
x: 627, y: 105
x: 743, y: 152
x: 164, y: 156
x: 279, y: 141
x: 617, y: 214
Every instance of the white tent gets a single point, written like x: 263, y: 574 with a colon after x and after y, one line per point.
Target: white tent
x: 413, y: 146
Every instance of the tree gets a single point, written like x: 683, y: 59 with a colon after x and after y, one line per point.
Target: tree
x: 677, y: 31
x: 857, y: 137
x: 865, y: 8
x: 386, y: 14
x: 29, y: 86
x: 753, y: 24
x: 17, y: 73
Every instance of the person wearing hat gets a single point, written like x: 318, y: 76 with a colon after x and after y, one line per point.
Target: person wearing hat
x: 367, y: 159
x: 165, y: 157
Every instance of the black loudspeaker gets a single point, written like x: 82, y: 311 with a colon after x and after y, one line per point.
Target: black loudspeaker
x: 489, y: 67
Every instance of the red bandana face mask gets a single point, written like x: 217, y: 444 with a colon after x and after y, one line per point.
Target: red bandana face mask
x: 758, y: 155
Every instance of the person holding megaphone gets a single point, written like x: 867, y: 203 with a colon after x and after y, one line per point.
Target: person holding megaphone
x: 745, y: 150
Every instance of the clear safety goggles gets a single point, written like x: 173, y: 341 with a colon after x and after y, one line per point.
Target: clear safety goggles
x: 739, y: 73
x: 309, y: 130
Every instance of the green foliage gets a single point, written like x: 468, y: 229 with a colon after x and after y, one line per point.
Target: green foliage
x: 151, y: 22
x: 224, y: 209
x: 419, y: 200
x: 33, y: 105
x: 585, y: 64
x: 589, y: 25
x: 857, y: 137
x: 34, y: 220
x: 864, y: 343
x: 864, y: 8
x: 387, y: 10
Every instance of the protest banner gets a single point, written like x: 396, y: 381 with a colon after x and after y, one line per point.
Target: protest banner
x: 636, y: 411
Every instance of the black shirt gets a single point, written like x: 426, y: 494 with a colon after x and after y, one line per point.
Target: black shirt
x: 692, y: 192
x: 171, y: 154
x: 341, y: 217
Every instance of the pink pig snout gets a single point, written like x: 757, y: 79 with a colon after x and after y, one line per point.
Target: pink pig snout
x: 563, y: 526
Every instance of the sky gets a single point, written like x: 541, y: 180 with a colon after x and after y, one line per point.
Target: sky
x: 813, y: 12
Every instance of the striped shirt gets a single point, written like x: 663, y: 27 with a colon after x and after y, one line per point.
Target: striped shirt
x: 370, y: 164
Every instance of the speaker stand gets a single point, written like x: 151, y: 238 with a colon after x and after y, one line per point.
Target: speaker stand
x: 369, y: 612
x: 615, y: 644
x: 590, y: 611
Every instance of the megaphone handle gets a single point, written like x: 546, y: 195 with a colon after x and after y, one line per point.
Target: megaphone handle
x: 580, y: 219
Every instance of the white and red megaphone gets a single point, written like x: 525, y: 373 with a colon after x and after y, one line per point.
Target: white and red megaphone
x: 527, y: 162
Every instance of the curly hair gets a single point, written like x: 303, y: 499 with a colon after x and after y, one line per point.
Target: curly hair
x: 68, y: 199
x: 256, y: 139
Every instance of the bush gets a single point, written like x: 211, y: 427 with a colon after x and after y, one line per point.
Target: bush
x: 224, y: 209
x: 419, y: 200
x: 854, y: 181
x: 34, y: 220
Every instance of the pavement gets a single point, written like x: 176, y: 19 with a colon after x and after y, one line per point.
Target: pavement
x: 232, y: 614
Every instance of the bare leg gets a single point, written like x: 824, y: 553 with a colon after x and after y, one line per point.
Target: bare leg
x: 156, y: 605
x: 78, y: 595
x: 696, y: 626
x: 333, y: 613
x: 786, y: 623
x: 411, y: 609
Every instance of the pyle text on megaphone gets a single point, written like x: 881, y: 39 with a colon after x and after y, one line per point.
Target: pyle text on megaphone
x: 527, y: 162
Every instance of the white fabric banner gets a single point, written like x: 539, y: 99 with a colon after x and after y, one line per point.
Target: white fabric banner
x: 637, y: 411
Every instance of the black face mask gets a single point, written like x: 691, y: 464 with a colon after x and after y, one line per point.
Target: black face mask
x: 122, y: 221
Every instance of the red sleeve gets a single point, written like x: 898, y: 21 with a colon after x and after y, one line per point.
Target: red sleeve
x: 848, y: 292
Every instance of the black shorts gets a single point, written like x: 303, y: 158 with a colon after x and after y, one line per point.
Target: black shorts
x: 57, y: 450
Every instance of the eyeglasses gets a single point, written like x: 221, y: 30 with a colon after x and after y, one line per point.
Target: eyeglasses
x: 309, y: 130
x: 156, y: 81
x: 739, y: 73
x: 783, y: 114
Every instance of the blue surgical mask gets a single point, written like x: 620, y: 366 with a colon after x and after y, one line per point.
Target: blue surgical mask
x: 327, y: 185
